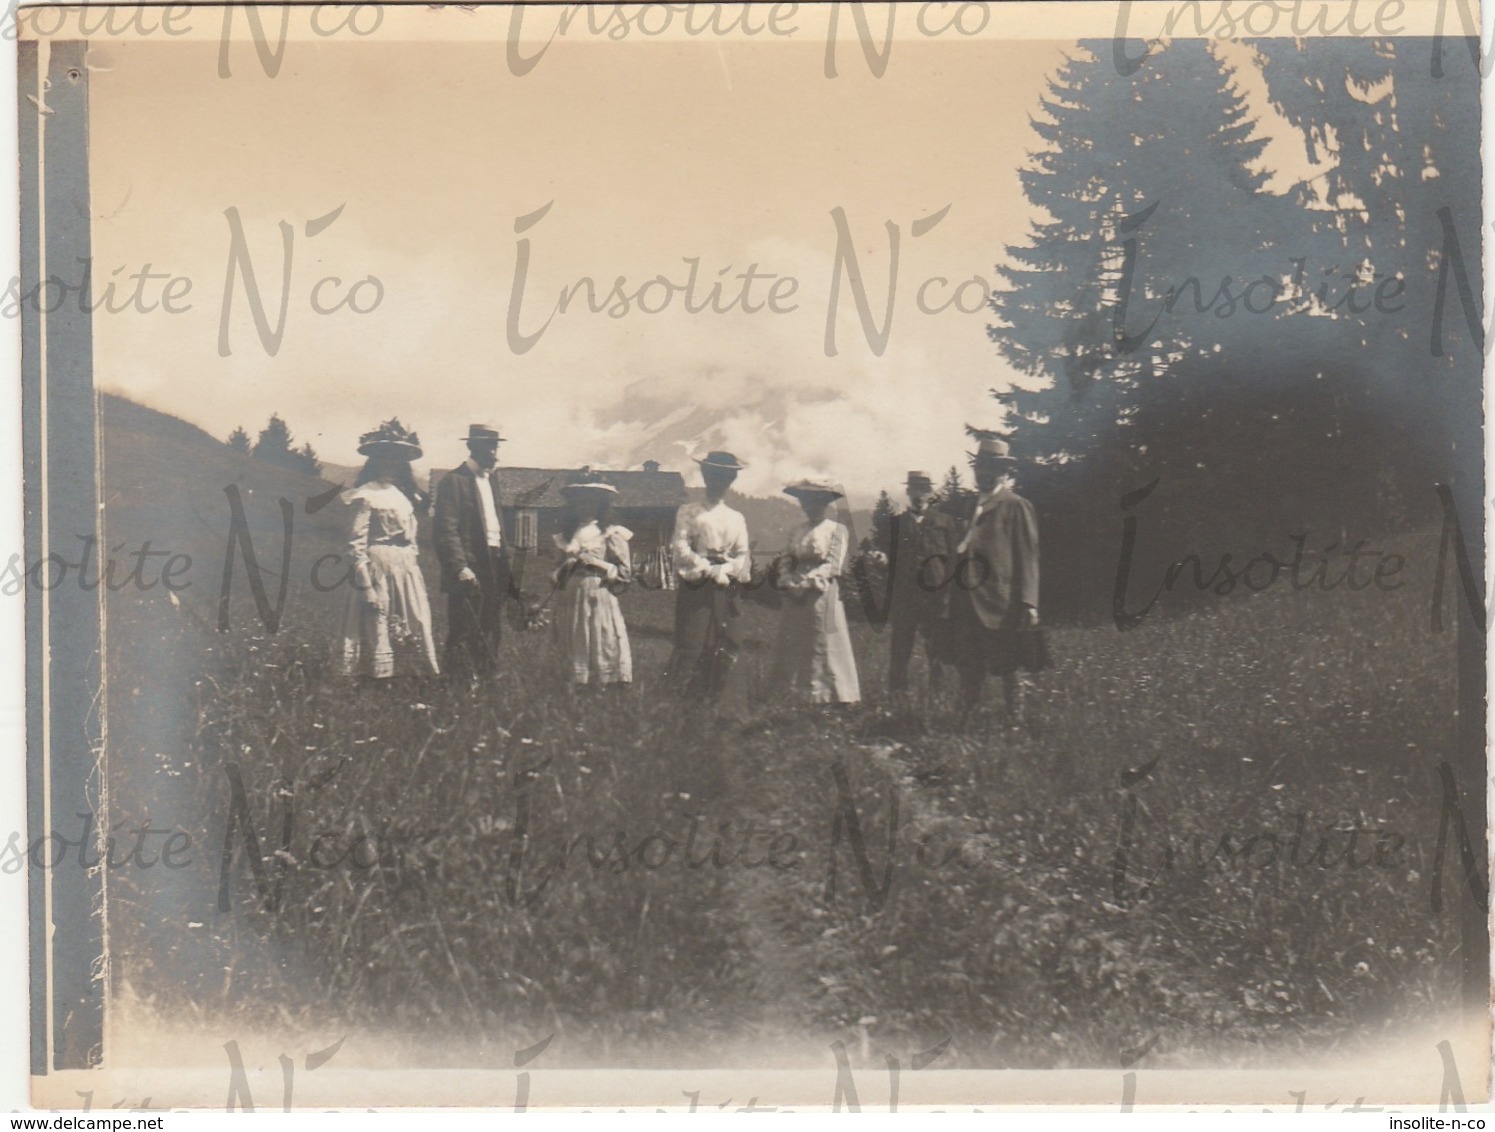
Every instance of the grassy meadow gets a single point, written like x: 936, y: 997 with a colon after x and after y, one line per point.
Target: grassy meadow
x: 1214, y: 833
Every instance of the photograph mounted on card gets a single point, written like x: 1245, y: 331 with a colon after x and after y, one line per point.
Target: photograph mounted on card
x: 844, y: 555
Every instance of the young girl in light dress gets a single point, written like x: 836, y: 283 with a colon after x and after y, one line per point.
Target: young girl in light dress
x: 386, y: 600
x: 595, y: 567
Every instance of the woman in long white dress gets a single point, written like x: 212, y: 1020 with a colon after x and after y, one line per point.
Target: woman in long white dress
x: 814, y: 656
x: 595, y: 567
x: 386, y: 601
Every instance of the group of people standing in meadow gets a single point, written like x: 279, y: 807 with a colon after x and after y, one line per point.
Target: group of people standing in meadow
x: 966, y: 585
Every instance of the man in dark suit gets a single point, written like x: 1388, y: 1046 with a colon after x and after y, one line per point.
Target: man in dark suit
x: 995, y: 584
x: 473, y: 549
x: 921, y: 554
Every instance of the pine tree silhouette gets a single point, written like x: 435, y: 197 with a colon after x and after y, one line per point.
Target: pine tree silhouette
x: 1144, y: 366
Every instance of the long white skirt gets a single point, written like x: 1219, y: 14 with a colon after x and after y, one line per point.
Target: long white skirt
x: 403, y: 613
x: 813, y: 657
x: 590, y: 631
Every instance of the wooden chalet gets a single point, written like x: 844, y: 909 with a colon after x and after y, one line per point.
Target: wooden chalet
x: 535, y: 509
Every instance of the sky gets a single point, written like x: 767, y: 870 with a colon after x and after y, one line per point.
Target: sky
x: 412, y: 163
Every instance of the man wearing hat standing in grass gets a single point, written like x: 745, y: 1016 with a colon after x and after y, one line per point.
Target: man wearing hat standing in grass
x: 712, y: 559
x: 921, y: 554
x: 473, y: 550
x: 995, y: 582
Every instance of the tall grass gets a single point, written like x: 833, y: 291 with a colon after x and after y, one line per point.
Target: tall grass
x: 426, y: 817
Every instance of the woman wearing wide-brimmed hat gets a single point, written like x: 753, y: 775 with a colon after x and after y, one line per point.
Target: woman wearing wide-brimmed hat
x: 387, y: 601
x: 595, y: 567
x: 813, y: 655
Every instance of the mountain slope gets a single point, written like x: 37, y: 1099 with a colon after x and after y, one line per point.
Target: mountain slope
x: 170, y: 484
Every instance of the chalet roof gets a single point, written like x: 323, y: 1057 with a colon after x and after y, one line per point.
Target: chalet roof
x: 540, y: 488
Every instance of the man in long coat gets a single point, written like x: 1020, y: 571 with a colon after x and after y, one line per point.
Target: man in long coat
x: 920, y: 545
x: 995, y: 584
x: 473, y: 549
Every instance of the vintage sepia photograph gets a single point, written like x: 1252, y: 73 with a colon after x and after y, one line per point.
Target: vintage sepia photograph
x: 848, y: 555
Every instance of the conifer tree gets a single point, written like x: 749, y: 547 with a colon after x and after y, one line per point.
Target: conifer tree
x: 954, y: 496
x: 306, y: 460
x: 1152, y: 195
x: 882, y: 520
x: 1395, y: 124
x: 1127, y: 305
x: 274, y: 443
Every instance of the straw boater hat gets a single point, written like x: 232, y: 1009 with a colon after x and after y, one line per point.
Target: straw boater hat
x: 390, y: 439
x: 721, y: 461
x: 813, y: 488
x: 993, y: 451
x: 918, y: 479
x: 481, y: 432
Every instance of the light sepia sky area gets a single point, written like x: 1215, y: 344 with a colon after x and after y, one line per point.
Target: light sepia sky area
x: 647, y: 152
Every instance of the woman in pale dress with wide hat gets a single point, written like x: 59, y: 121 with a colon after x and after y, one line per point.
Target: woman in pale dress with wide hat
x: 595, y: 567
x: 387, y: 602
x: 814, y: 656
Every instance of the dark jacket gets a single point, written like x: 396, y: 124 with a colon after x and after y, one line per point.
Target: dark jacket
x: 457, y: 527
x: 1000, y: 566
x: 921, y: 557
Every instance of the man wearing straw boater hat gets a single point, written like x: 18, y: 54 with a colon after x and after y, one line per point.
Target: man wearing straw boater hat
x: 712, y: 559
x: 921, y: 553
x: 473, y: 549
x: 995, y: 601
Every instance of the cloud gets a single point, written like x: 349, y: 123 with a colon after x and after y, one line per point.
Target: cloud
x: 762, y: 387
x: 610, y: 392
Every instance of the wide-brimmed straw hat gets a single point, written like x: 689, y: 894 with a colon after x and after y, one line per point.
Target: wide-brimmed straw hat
x: 814, y: 488
x: 582, y: 488
x: 721, y: 461
x: 390, y: 439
